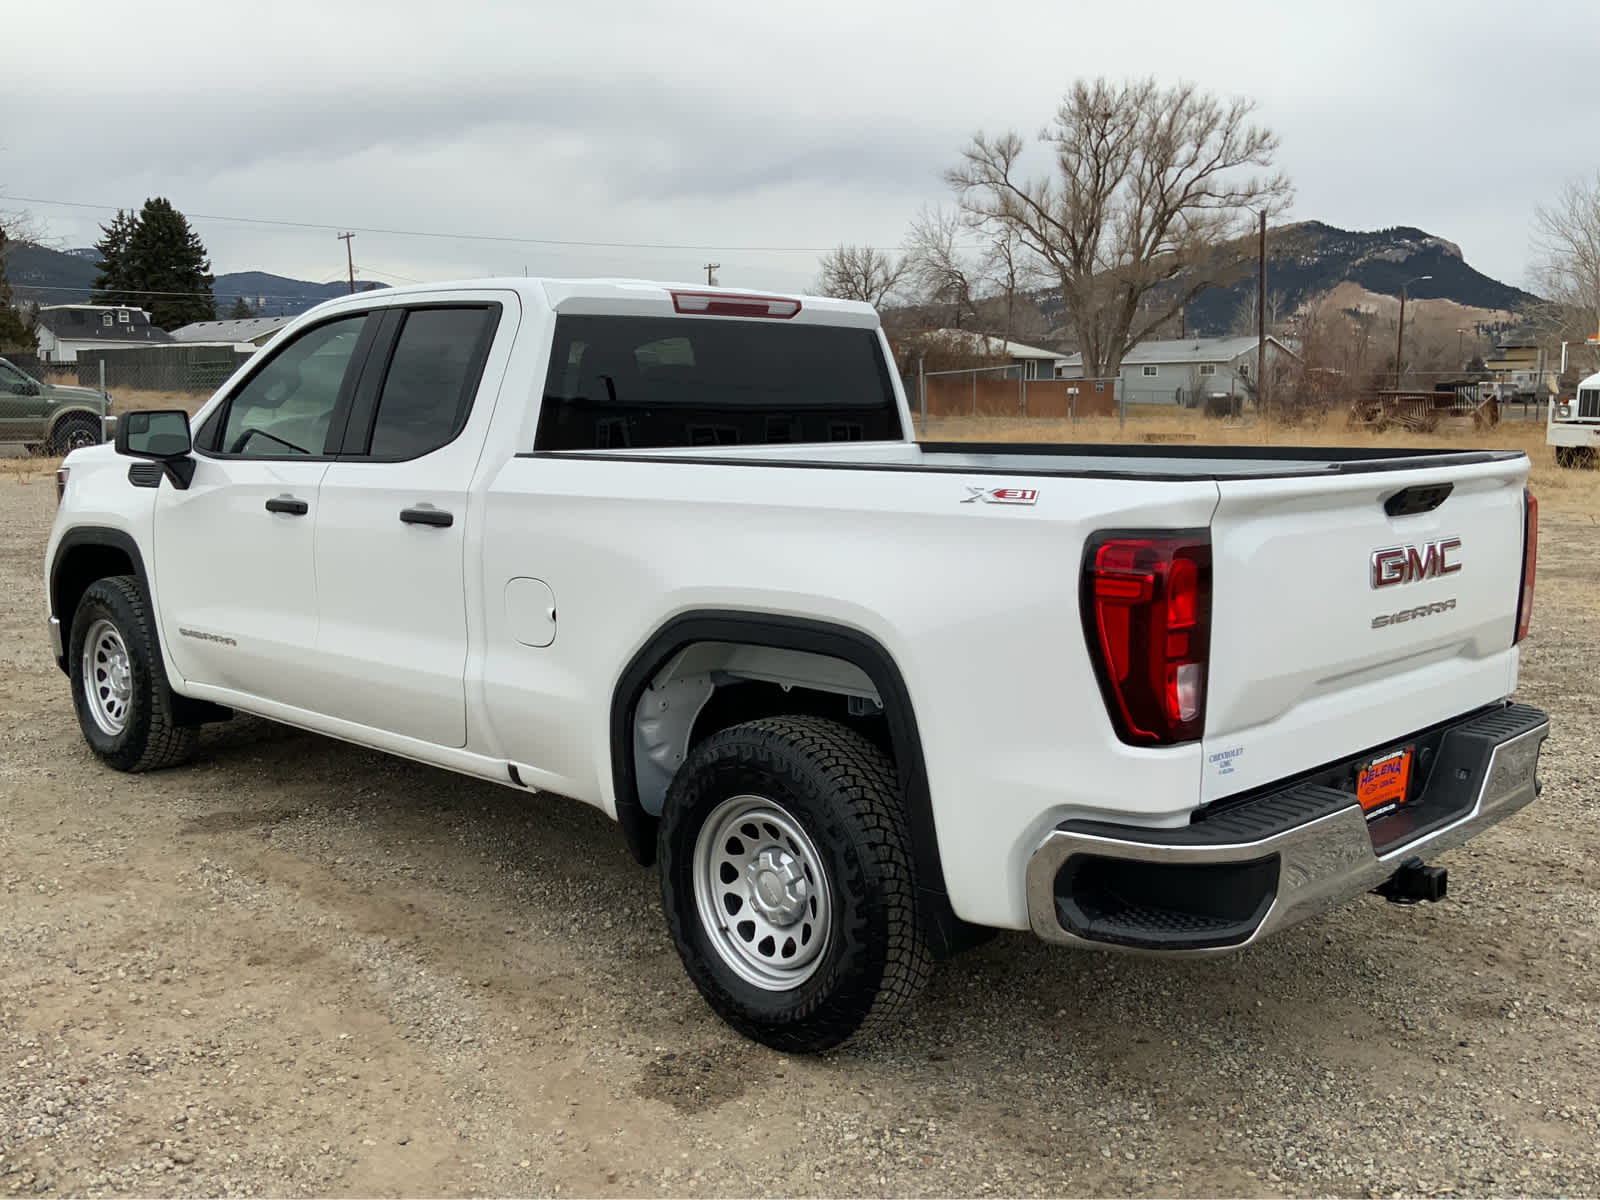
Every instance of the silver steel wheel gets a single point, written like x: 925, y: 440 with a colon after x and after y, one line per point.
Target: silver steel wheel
x: 762, y: 893
x: 107, y: 677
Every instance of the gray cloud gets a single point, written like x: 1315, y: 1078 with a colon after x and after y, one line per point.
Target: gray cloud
x: 731, y: 125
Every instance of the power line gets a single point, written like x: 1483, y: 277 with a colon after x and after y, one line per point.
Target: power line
x: 456, y: 237
x: 225, y: 293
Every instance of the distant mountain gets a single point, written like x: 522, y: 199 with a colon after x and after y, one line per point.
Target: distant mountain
x: 277, y: 296
x: 1307, y: 261
x: 1310, y: 259
x: 48, y: 276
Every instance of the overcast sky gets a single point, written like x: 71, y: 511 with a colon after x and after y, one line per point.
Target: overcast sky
x: 722, y: 127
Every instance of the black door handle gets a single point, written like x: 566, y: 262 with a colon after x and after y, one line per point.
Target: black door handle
x: 289, y: 505
x: 427, y: 516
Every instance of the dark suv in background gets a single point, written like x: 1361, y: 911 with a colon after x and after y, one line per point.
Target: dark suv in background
x: 49, y: 416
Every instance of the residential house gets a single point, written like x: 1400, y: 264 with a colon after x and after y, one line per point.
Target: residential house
x: 66, y: 329
x: 1020, y: 361
x: 1189, y: 371
x: 1519, y: 367
x: 253, y: 331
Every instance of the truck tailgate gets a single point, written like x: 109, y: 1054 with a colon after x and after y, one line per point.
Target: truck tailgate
x: 1338, y: 628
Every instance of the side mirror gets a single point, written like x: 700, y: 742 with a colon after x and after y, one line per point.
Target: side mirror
x: 161, y: 435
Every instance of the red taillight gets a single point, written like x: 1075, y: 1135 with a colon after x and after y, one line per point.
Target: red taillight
x: 720, y: 304
x: 1530, y: 563
x: 1147, y: 615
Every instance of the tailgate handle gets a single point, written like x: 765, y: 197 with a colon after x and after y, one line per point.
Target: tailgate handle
x: 1412, y: 500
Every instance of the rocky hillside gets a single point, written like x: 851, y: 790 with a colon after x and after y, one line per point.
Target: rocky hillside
x: 1310, y: 259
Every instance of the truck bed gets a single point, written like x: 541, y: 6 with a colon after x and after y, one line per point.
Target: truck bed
x: 1070, y: 459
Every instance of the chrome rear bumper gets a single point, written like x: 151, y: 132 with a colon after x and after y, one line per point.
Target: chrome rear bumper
x: 1317, y: 837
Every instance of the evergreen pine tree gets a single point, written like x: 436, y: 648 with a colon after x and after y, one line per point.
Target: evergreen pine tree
x: 112, y: 285
x: 240, y: 310
x: 167, y: 267
x: 17, y: 334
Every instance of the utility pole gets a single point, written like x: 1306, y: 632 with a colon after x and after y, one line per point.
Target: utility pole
x: 349, y: 259
x: 1261, y: 330
x: 711, y: 280
x: 1400, y: 330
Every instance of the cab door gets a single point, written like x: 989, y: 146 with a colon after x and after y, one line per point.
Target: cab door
x: 393, y: 517
x: 234, y: 552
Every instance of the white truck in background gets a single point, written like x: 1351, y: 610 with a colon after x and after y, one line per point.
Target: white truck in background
x: 674, y: 551
x: 1572, y: 426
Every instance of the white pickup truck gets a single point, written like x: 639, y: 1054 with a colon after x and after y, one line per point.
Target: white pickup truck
x: 675, y: 552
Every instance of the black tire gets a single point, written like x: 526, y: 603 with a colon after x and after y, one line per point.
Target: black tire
x: 146, y: 736
x: 1578, y: 457
x: 74, y: 431
x: 842, y: 793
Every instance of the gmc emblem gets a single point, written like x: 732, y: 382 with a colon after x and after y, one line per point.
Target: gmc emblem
x: 1407, y: 564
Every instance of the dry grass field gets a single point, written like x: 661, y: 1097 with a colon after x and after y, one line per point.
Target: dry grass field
x: 1574, y: 490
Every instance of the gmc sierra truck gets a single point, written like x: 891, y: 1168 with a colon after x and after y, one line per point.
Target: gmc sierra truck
x: 675, y: 552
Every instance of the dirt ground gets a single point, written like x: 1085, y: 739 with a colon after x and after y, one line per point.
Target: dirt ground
x: 295, y: 967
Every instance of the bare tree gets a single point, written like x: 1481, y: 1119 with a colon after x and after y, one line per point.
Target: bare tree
x: 1566, y: 237
x: 1149, y: 183
x: 859, y: 273
x: 1014, y: 270
x: 939, y: 267
x: 1566, y: 240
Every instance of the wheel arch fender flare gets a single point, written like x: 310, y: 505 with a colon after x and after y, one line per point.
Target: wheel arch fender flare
x: 76, y: 539
x: 784, y: 633
x: 75, y: 410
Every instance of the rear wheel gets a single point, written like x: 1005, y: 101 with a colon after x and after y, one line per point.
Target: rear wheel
x: 787, y: 880
x: 74, y: 431
x: 119, y: 685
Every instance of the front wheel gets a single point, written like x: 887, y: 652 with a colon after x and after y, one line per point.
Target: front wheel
x: 119, y: 685
x: 788, y: 884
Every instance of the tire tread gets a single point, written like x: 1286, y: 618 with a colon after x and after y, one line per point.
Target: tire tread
x: 824, y: 755
x: 165, y: 743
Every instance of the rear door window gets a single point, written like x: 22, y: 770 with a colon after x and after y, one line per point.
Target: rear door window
x: 657, y: 382
x: 431, y: 380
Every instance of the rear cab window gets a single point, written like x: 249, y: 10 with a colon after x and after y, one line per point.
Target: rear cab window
x: 618, y: 382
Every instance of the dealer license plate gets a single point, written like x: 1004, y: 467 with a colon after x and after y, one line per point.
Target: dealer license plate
x: 1381, y: 786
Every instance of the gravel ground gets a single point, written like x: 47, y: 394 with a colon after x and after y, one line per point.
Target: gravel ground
x: 299, y: 968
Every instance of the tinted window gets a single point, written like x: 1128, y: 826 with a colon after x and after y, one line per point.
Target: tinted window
x: 432, y: 377
x: 644, y: 382
x: 285, y: 408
